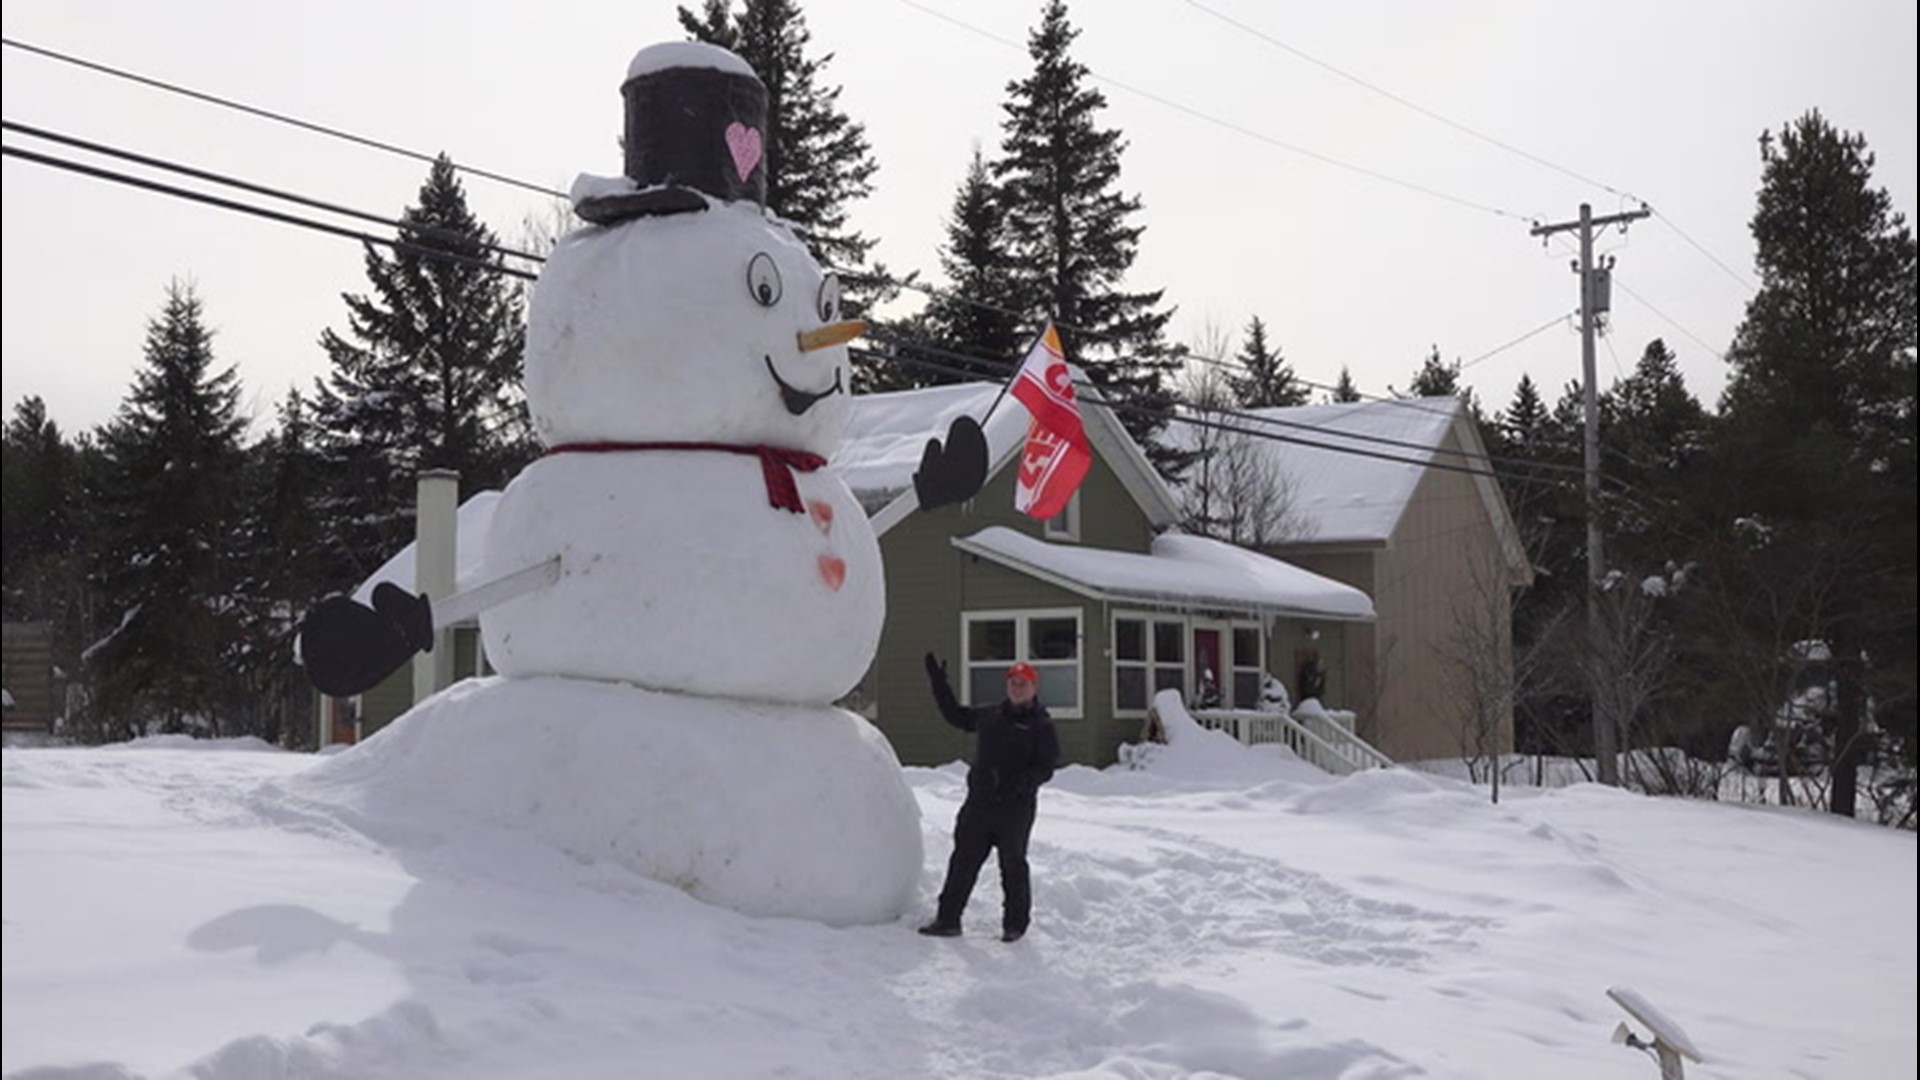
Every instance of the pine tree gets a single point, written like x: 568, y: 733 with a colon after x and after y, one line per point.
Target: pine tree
x: 1436, y: 377
x: 1524, y: 423
x: 284, y: 572
x: 38, y: 511
x: 1547, y: 497
x: 1269, y: 380
x: 977, y: 315
x: 1344, y: 392
x: 1652, y: 431
x: 170, y: 497
x: 1818, y: 414
x: 818, y: 161
x: 1072, y: 239
x: 1525, y: 439
x: 1524, y: 436
x: 427, y: 377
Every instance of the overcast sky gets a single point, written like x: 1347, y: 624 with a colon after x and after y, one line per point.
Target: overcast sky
x: 1274, y: 180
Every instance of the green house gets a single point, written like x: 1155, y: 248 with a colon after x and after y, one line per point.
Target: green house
x: 1107, y: 601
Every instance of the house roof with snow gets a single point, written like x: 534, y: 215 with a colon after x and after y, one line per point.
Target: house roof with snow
x: 887, y: 433
x: 1353, y: 467
x: 1180, y: 571
x: 475, y: 519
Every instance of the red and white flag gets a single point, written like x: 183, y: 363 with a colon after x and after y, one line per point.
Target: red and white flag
x: 1057, y: 455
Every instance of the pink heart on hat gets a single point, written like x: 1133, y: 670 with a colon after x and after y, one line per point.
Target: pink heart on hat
x: 743, y: 143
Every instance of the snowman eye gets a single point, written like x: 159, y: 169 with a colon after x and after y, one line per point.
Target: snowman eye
x: 829, y: 303
x: 763, y: 280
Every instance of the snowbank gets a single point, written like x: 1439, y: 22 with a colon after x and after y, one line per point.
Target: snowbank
x: 766, y: 810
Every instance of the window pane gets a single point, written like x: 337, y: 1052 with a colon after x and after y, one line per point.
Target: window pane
x: 1060, y: 687
x: 1246, y: 647
x: 1170, y: 678
x: 1129, y: 639
x: 990, y: 639
x: 1130, y: 687
x: 1053, y: 639
x: 1169, y: 642
x: 989, y: 684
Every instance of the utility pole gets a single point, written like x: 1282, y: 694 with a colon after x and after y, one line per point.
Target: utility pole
x: 1605, y: 726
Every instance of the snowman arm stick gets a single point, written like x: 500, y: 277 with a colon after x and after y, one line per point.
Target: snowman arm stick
x: 463, y: 605
x: 348, y: 647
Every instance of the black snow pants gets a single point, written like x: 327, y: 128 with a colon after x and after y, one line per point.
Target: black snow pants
x: 1001, y: 826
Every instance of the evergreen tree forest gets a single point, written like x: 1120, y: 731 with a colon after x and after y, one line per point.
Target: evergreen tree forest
x: 170, y: 558
x: 1767, y: 539
x: 1772, y: 539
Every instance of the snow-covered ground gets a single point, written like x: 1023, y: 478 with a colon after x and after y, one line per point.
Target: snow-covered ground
x: 228, y: 911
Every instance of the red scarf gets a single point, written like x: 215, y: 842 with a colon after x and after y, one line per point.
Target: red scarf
x: 776, y: 464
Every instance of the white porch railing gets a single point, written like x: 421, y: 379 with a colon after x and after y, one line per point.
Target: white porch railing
x: 1319, y: 739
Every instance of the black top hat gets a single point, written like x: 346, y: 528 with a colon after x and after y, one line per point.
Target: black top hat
x: 696, y: 127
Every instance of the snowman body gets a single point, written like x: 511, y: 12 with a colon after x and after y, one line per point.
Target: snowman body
x: 736, y: 600
x: 664, y: 363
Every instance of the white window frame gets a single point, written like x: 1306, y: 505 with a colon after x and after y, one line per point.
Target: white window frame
x: 1230, y: 660
x: 1152, y: 661
x: 1022, y: 650
x: 1066, y: 524
x: 1235, y: 664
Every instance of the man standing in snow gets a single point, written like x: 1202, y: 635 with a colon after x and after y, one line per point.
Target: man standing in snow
x: 1015, y: 753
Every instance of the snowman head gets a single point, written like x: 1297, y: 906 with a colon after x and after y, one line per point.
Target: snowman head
x: 691, y: 315
x: 715, y: 326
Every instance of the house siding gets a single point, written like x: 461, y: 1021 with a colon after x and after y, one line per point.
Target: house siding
x: 28, y: 664
x: 930, y: 583
x: 1346, y: 649
x: 1429, y: 577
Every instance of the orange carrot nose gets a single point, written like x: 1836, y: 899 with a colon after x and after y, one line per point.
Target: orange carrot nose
x: 831, y: 334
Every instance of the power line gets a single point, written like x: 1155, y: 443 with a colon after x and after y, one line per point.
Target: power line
x: 1469, y: 131
x: 1266, y: 423
x: 268, y: 114
x: 1618, y: 373
x: 259, y: 211
x: 1100, y: 401
x: 1715, y: 353
x: 1557, y: 320
x: 1184, y: 354
x: 113, y: 176
x: 1731, y: 272
x: 1237, y: 128
x: 337, y: 133
x: 956, y: 360
x: 257, y: 189
x: 1396, y: 98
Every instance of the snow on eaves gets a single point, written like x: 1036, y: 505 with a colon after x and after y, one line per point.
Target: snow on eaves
x: 1183, y: 571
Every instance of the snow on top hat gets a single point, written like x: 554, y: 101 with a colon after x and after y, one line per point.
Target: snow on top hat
x: 696, y: 128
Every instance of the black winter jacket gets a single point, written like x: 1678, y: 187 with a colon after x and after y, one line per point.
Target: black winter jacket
x: 1016, y: 750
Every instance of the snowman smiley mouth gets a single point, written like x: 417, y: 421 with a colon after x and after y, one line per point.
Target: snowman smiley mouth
x: 796, y: 400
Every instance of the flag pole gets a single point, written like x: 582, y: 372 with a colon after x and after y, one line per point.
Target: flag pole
x: 1018, y: 365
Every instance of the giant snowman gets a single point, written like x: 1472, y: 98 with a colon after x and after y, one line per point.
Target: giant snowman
x: 669, y: 695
